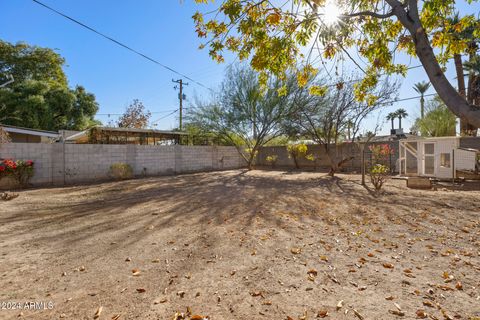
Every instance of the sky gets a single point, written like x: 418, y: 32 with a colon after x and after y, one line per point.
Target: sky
x: 163, y: 30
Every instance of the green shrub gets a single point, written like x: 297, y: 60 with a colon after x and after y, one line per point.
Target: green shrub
x: 121, y: 171
x: 298, y: 151
x: 272, y: 160
x: 379, y: 173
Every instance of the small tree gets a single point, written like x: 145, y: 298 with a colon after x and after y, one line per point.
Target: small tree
x: 272, y: 160
x: 296, y: 152
x: 379, y: 171
x: 135, y: 116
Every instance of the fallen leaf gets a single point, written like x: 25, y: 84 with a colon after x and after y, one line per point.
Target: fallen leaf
x: 128, y: 259
x: 459, y: 286
x: 116, y: 317
x: 339, y: 305
x: 98, y: 312
x: 322, y: 314
x: 141, y: 290
x: 135, y: 272
x: 295, y: 250
x: 397, y: 312
x: 388, y: 266
x: 421, y: 314
x: 428, y: 303
x: 358, y: 314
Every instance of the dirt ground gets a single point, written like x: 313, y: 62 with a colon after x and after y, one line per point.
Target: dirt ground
x: 241, y: 245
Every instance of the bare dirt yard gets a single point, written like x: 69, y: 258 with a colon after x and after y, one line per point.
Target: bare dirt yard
x: 241, y: 245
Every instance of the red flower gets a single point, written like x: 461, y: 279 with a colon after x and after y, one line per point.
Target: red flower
x: 29, y: 163
x: 2, y: 168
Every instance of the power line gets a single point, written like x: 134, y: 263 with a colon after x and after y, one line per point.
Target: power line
x: 166, y: 116
x: 405, y: 99
x: 120, y: 114
x: 120, y: 44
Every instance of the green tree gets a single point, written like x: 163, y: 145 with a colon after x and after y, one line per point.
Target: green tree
x: 439, y: 121
x: 324, y: 119
x: 421, y: 88
x: 244, y: 114
x: 401, y: 114
x: 40, y: 98
x: 273, y: 35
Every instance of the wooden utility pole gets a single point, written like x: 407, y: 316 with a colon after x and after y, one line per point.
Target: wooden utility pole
x: 181, y: 97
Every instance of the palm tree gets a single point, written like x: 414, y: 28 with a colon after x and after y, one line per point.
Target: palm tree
x: 401, y: 113
x: 421, y: 88
x: 391, y: 116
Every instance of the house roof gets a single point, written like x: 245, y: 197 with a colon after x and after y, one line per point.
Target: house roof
x: 126, y: 130
x: 29, y: 131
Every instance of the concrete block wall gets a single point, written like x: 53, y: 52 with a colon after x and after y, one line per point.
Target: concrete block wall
x: 58, y: 164
x: 344, y: 151
x: 40, y: 153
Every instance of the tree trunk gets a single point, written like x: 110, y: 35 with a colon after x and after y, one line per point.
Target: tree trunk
x: 393, y: 125
x: 457, y: 58
x: 399, y: 122
x: 422, y: 107
x: 465, y: 128
x: 452, y: 99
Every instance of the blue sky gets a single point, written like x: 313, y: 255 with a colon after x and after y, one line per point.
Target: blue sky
x: 163, y: 30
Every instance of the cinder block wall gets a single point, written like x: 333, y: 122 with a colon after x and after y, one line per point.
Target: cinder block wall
x: 322, y: 162
x: 58, y: 164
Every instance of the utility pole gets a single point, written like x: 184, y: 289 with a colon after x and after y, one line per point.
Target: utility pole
x: 181, y: 97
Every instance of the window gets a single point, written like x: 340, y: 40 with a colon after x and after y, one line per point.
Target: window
x: 445, y: 160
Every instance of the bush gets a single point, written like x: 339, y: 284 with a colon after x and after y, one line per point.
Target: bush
x: 379, y: 171
x: 272, y: 160
x: 121, y: 171
x: 378, y: 175
x: 21, y: 171
x: 297, y: 151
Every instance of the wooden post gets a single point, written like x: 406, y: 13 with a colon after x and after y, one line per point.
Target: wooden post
x: 363, y: 166
x: 453, y: 166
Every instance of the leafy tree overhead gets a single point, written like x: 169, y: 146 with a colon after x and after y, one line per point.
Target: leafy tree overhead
x: 40, y: 98
x: 272, y: 35
x: 135, y: 116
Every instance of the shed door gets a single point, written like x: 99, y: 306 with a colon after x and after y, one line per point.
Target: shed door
x: 429, y: 159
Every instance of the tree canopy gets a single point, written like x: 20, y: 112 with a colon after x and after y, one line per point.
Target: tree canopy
x: 244, y: 114
x: 40, y: 97
x: 438, y: 120
x: 273, y: 35
x: 135, y: 116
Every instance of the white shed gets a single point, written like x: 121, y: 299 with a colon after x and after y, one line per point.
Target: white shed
x: 439, y: 157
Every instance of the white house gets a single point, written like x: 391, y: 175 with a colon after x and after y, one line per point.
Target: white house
x: 438, y: 157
